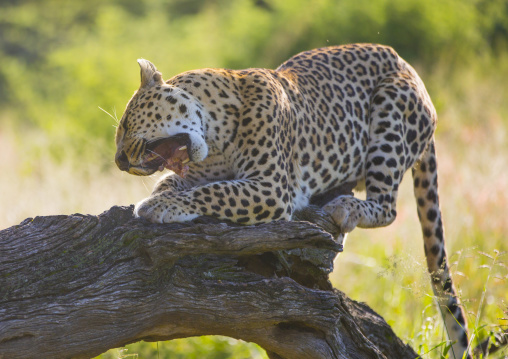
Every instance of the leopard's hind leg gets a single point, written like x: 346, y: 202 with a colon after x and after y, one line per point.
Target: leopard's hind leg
x: 402, y: 124
x: 429, y: 213
x: 387, y: 160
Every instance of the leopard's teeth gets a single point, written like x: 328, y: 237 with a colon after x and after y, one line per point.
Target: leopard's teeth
x: 185, y: 161
x: 182, y: 148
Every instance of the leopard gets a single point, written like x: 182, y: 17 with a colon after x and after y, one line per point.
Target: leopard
x: 255, y: 145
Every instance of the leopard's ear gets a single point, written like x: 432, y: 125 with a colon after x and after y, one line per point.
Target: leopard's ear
x: 150, y: 76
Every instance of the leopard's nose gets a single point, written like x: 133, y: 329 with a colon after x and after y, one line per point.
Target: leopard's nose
x: 122, y: 161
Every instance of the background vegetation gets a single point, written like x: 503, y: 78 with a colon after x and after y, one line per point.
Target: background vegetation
x: 62, y: 60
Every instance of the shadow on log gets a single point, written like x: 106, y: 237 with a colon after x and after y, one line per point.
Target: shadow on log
x: 76, y: 286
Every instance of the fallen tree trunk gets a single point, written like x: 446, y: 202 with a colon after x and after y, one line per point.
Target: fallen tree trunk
x: 76, y: 286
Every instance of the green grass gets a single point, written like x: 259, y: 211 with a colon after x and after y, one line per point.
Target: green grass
x: 209, y: 347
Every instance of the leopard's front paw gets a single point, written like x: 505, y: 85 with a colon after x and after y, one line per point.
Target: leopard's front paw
x: 162, y: 209
x: 151, y: 209
x: 344, y: 212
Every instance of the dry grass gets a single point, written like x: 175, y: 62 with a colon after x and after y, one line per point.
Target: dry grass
x: 39, y: 185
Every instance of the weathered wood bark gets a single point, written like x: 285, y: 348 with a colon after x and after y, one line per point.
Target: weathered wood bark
x: 76, y: 286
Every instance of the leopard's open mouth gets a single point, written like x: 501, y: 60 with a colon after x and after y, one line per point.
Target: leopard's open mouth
x: 170, y: 153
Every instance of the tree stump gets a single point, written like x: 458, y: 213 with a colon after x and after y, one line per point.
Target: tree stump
x: 75, y: 286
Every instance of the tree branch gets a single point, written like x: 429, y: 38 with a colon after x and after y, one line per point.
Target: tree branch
x: 76, y: 286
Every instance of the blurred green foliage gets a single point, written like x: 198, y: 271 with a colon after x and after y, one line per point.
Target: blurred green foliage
x: 63, y: 59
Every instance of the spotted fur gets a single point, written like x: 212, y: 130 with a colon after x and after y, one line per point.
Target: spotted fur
x: 262, y: 142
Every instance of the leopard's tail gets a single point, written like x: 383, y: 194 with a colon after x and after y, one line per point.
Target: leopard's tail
x: 425, y: 190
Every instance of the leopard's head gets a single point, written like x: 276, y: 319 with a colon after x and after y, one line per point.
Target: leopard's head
x: 162, y: 127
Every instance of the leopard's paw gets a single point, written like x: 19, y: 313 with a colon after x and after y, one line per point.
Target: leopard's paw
x: 160, y: 208
x: 344, y: 212
x: 150, y: 209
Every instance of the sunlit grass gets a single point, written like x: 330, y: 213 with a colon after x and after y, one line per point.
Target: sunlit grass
x: 34, y: 183
x: 206, y: 347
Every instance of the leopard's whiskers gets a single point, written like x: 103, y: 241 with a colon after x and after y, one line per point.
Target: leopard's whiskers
x: 110, y: 115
